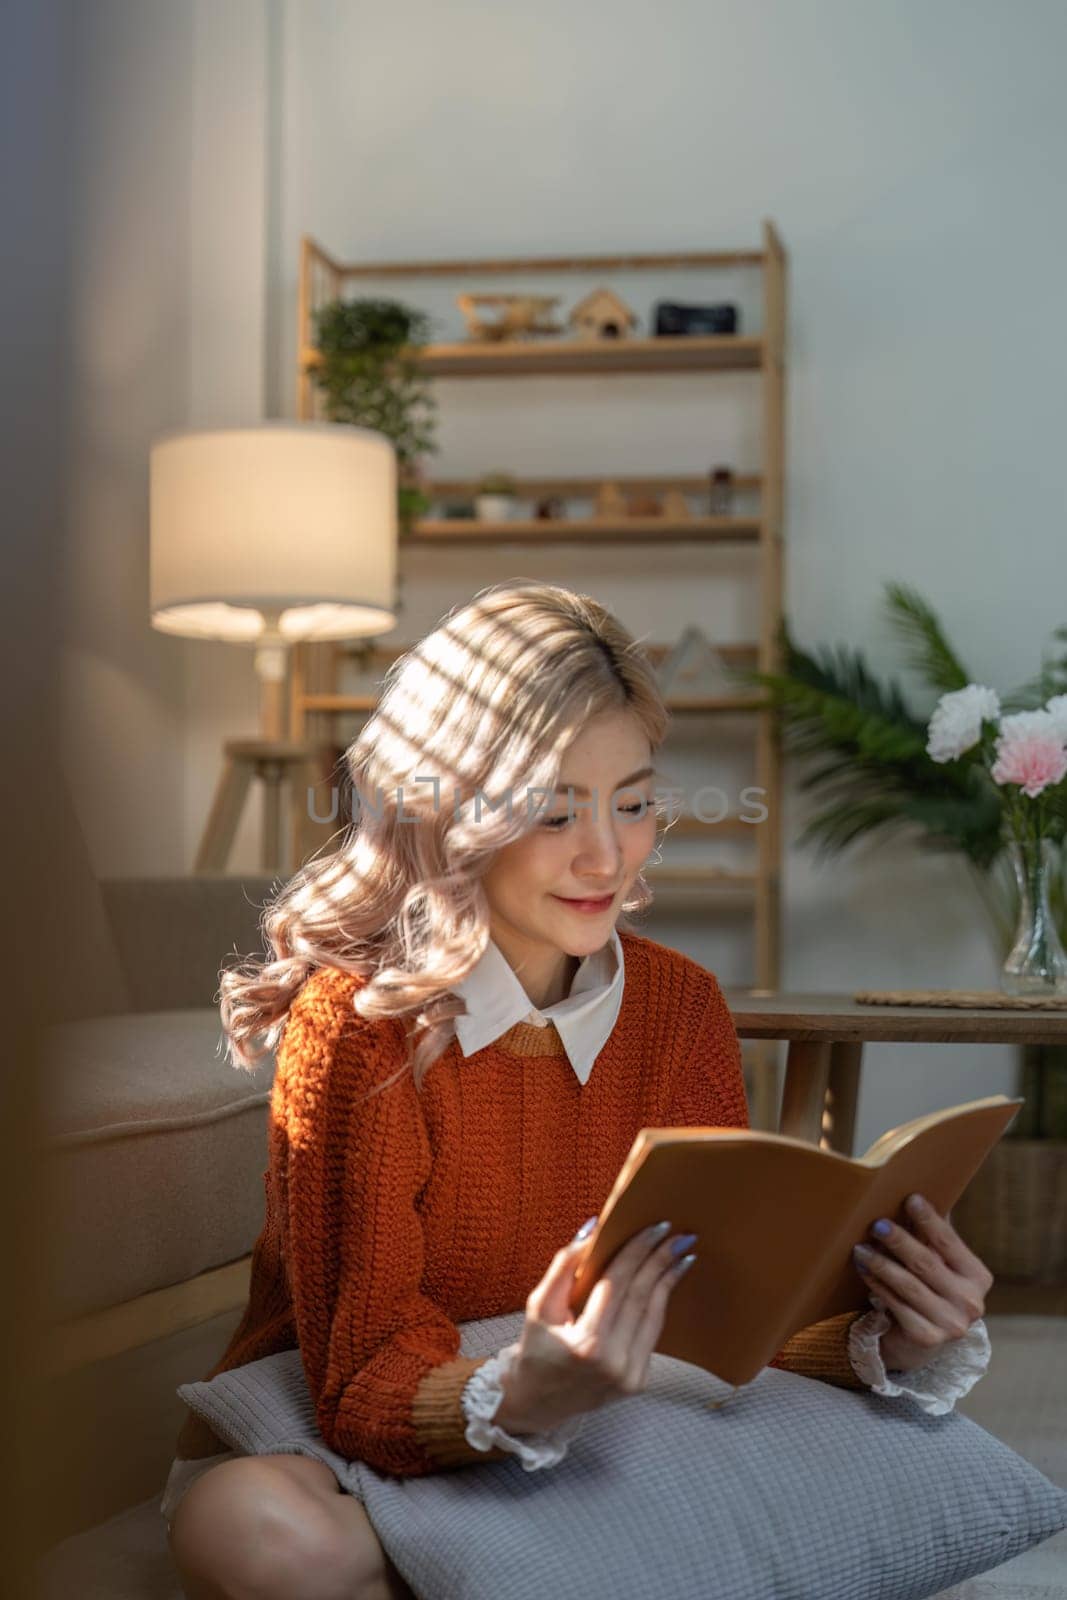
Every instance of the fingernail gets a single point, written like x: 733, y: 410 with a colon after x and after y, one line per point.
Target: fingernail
x: 683, y: 1266
x: 882, y: 1228
x: 916, y: 1204
x: 586, y: 1228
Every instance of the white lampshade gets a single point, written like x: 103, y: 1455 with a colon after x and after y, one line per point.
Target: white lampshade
x: 284, y: 528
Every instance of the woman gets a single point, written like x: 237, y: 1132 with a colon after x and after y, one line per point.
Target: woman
x: 504, y: 806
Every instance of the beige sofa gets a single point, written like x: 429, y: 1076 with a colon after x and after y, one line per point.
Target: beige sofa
x: 154, y: 1151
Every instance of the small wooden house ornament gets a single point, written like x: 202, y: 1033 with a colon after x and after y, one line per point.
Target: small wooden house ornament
x: 602, y: 315
x: 610, y: 501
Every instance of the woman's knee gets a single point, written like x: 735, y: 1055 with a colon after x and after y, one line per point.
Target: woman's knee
x: 257, y: 1527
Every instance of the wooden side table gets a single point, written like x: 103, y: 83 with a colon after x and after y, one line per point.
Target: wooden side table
x: 826, y: 1034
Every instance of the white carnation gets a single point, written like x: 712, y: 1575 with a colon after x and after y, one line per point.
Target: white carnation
x: 1057, y: 710
x: 956, y: 724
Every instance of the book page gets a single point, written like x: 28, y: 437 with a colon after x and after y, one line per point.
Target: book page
x: 888, y: 1143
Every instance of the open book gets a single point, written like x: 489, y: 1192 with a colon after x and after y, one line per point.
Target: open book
x: 777, y: 1218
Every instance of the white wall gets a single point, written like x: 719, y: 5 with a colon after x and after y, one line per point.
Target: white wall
x: 169, y: 317
x: 124, y: 699
x: 911, y: 156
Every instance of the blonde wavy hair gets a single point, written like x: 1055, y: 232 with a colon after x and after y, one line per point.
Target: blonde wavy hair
x: 483, y: 707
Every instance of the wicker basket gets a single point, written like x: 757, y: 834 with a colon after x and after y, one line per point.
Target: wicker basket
x: 1014, y: 1211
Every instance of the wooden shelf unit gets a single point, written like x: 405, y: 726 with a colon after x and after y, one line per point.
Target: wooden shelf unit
x: 314, y: 700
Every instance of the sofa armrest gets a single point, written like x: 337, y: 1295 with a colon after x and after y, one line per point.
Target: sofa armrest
x: 173, y: 935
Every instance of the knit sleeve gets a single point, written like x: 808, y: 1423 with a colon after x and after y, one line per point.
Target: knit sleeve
x: 709, y: 1092
x: 380, y: 1356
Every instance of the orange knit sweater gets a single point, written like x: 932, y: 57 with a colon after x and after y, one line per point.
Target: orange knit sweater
x: 388, y: 1222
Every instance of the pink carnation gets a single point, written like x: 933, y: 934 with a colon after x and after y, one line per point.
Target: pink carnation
x: 1032, y: 760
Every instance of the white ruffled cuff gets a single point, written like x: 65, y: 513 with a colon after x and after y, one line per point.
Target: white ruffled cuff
x: 482, y: 1395
x: 936, y: 1386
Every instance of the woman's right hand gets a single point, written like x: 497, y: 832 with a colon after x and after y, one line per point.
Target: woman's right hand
x: 565, y: 1364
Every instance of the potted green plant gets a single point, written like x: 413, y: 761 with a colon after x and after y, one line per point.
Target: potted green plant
x: 495, y: 499
x: 867, y: 761
x: 368, y: 374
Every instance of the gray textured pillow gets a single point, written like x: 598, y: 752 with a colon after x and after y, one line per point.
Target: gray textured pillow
x: 794, y: 1489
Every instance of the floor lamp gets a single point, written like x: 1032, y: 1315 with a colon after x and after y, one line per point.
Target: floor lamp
x: 263, y: 536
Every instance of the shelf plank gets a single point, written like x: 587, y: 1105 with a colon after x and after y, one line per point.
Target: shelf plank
x: 687, y: 827
x: 586, y: 530
x: 700, y: 353
x: 513, y: 358
x: 710, y: 703
x: 491, y: 265
x: 689, y: 703
x: 376, y: 655
x: 573, y: 488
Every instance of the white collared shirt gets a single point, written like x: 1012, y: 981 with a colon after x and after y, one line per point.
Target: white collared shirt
x: 496, y: 1001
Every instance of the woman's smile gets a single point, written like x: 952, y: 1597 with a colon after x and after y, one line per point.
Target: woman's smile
x: 588, y: 906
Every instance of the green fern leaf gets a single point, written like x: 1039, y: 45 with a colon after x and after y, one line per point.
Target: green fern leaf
x: 928, y: 650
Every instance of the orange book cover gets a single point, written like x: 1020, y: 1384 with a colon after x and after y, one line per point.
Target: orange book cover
x: 777, y: 1218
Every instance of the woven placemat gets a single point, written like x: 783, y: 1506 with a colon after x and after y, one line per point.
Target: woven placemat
x: 990, y: 999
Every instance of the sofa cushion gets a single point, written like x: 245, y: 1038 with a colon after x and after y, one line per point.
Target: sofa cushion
x: 155, y: 1154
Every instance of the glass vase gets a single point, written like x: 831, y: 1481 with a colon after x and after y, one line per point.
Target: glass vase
x: 1037, y: 963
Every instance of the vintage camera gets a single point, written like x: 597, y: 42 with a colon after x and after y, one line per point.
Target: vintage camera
x: 671, y: 319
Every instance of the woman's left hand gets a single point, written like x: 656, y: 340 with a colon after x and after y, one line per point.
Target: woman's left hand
x: 930, y: 1282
